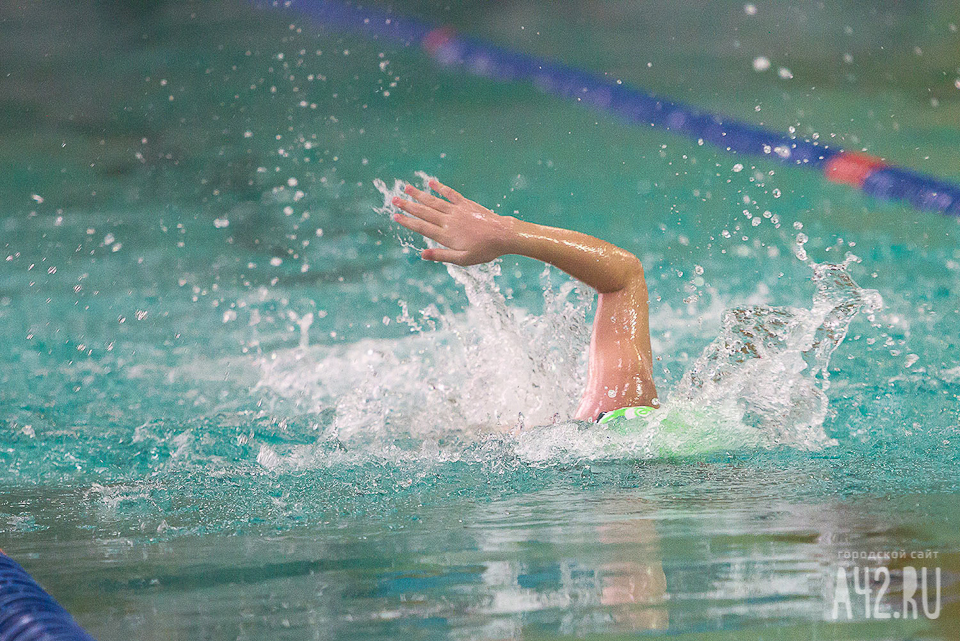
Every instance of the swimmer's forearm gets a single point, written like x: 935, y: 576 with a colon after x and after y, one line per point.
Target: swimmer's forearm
x: 469, y: 234
x: 599, y: 264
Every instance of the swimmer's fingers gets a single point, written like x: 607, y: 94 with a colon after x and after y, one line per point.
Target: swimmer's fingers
x: 454, y: 256
x: 430, y: 201
x: 423, y: 212
x: 422, y: 227
x: 447, y: 192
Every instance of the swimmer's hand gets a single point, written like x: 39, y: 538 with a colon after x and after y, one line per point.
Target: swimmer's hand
x: 470, y: 233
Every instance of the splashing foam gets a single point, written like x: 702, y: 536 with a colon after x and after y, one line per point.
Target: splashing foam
x: 492, y: 371
x: 769, y: 365
x: 491, y: 367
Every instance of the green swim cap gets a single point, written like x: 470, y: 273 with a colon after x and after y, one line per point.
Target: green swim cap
x: 625, y: 413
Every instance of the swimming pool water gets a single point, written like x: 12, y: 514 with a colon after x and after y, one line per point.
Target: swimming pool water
x: 238, y: 406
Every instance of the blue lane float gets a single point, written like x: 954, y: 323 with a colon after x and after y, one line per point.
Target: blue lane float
x: 28, y: 613
x: 871, y: 175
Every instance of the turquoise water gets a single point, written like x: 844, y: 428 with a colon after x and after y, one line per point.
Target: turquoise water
x: 238, y: 406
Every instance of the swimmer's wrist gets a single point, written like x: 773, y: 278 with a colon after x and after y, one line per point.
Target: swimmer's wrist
x: 523, y: 238
x: 507, y: 238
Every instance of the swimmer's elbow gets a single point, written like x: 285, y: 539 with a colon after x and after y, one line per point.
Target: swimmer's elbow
x: 623, y: 274
x: 633, y: 266
x: 633, y: 272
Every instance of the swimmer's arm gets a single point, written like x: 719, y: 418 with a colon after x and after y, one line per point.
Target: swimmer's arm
x: 472, y: 234
x: 620, y: 373
x: 599, y: 264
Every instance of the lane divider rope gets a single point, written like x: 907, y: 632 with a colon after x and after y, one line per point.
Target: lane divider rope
x: 28, y: 613
x: 450, y: 49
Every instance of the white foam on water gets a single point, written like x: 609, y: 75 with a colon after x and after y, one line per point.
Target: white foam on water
x: 774, y: 360
x: 490, y: 367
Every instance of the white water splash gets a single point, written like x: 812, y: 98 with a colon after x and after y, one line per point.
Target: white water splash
x: 489, y: 367
x: 492, y: 368
x: 771, y: 363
